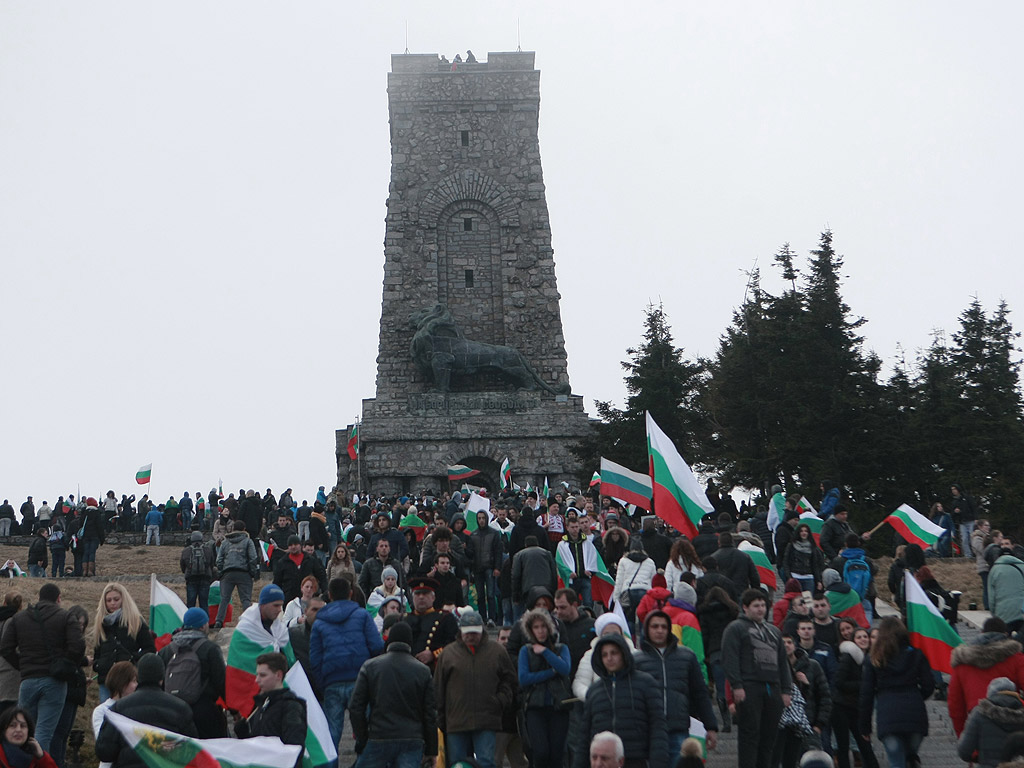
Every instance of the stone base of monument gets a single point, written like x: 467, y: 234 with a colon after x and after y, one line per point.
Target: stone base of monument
x: 407, y: 444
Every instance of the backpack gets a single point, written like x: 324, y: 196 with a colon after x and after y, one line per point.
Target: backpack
x: 183, y: 677
x: 197, y: 565
x: 857, y: 573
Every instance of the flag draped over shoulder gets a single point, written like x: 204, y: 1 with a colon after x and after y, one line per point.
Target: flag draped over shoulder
x: 601, y: 582
x: 765, y: 569
x: 158, y: 748
x: 915, y: 527
x: 847, y: 605
x: 248, y: 641
x: 776, y: 511
x: 678, y: 497
x: 320, y: 746
x: 415, y: 522
x: 166, y: 611
x: 624, y: 484
x: 929, y: 632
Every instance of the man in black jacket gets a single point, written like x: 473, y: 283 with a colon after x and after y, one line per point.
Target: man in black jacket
x: 149, y: 705
x: 487, y: 559
x: 295, y: 566
x: 278, y: 711
x: 394, y: 719
x: 33, y: 639
x: 735, y: 564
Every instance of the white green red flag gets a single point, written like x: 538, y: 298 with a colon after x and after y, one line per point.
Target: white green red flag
x: 266, y: 550
x: 700, y: 733
x: 142, y: 477
x: 776, y: 511
x: 678, y: 497
x: 166, y: 611
x: 415, y: 523
x: 765, y: 569
x: 248, y: 641
x: 929, y: 632
x: 595, y: 479
x: 476, y: 503
x: 505, y: 476
x: 14, y: 568
x: 804, y: 505
x: 547, y: 490
x: 915, y: 527
x: 461, y: 472
x: 353, y: 442
x: 616, y: 608
x: 814, y: 523
x: 158, y: 748
x: 847, y: 605
x: 602, y: 583
x: 625, y: 485
x: 320, y: 747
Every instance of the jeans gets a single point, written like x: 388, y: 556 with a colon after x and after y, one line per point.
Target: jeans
x: 487, y: 595
x: 5, y: 526
x: 899, y: 746
x: 304, y: 534
x: 807, y: 585
x: 391, y: 753
x: 153, y: 534
x: 230, y: 581
x: 88, y: 547
x: 186, y: 520
x: 336, y: 696
x: 966, y: 529
x: 197, y: 589
x: 479, y: 744
x: 59, y: 742
x: 508, y: 611
x: 581, y: 586
x: 43, y: 698
x: 57, y: 558
x: 37, y: 571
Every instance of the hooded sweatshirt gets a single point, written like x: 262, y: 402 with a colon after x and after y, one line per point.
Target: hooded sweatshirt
x: 975, y: 664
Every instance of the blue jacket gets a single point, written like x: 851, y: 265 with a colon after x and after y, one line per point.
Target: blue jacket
x: 343, y: 637
x: 829, y: 503
x: 154, y: 517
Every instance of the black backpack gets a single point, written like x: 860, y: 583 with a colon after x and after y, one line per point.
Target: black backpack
x: 183, y: 677
x: 197, y: 563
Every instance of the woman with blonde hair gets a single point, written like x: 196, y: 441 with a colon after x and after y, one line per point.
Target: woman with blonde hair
x: 119, y: 633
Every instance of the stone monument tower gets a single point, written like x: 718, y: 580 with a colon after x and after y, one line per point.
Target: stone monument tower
x: 471, y: 365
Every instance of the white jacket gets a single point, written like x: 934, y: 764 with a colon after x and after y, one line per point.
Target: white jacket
x: 633, y: 575
x: 672, y: 574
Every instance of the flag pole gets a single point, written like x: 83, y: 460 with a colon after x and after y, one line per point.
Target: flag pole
x: 359, y: 458
x: 871, y: 532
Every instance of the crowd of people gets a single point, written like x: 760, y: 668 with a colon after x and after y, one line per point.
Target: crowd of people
x: 544, y: 632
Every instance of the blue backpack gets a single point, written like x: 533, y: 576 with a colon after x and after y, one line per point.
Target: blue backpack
x: 857, y: 573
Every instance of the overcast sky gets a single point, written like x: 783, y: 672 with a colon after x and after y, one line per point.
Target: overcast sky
x: 192, y: 201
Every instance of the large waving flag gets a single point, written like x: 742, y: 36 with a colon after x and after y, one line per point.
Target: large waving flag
x: 505, y: 476
x: 678, y: 497
x: 248, y: 641
x: 623, y: 484
x: 166, y: 611
x: 163, y: 749
x: 320, y: 748
x: 476, y: 503
x: 144, y: 475
x: 929, y: 632
x: 915, y: 527
x: 461, y: 472
x: 804, y: 505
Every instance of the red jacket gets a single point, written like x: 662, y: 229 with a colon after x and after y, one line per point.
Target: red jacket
x: 38, y: 762
x: 656, y: 597
x: 781, y: 607
x: 977, y: 664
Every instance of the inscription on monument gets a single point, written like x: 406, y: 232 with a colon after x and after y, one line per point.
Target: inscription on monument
x: 511, y: 402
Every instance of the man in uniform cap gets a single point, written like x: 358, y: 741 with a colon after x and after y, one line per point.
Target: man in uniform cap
x: 431, y: 630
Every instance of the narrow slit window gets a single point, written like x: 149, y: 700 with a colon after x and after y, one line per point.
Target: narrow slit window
x: 467, y: 224
x: 465, y: 138
x: 469, y: 278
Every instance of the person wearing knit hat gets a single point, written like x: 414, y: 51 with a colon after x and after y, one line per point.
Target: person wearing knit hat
x: 382, y: 681
x: 387, y: 590
x: 195, y: 618
x: 271, y: 594
x: 606, y: 623
x: 149, y: 705
x: 207, y: 715
x: 991, y: 722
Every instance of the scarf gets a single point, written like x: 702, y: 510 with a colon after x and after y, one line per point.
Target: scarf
x: 112, y: 619
x: 16, y: 756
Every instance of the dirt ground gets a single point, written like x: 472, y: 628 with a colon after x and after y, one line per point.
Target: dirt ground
x: 953, y: 573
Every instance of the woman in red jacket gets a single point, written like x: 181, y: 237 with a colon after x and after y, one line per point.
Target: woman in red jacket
x: 19, y: 748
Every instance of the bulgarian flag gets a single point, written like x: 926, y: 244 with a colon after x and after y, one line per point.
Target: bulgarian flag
x: 248, y: 641
x: 505, y: 477
x: 547, y: 490
x: 474, y: 504
x: 460, y: 472
x: 14, y: 568
x: 144, y: 474
x: 164, y: 749
x: 166, y: 611
x: 595, y: 480
x: 416, y: 523
x: 625, y: 485
x: 213, y: 604
x: 700, y: 733
x: 320, y: 747
x: 804, y: 505
x: 847, y: 605
x: 353, y: 442
x: 814, y: 523
x: 776, y: 511
x: 765, y: 569
x: 929, y: 632
x: 601, y: 582
x: 266, y: 550
x: 915, y: 527
x: 678, y: 498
